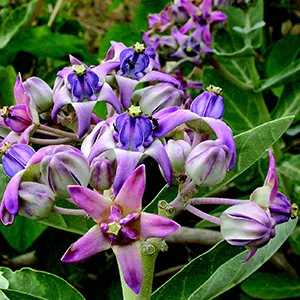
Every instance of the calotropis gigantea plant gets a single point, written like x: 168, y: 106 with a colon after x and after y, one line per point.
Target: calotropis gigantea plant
x: 56, y: 149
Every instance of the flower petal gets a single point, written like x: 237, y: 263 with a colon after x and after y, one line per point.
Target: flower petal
x: 94, y: 241
x: 11, y: 195
x: 159, y: 153
x: 19, y: 91
x: 96, y: 205
x: 84, y: 112
x: 62, y: 98
x: 130, y: 260
x: 126, y: 163
x: 132, y: 191
x: 271, y: 178
x: 156, y: 226
x: 108, y: 95
x: 161, y: 77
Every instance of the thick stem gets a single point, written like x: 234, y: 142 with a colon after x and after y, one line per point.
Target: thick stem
x: 220, y: 201
x: 201, y: 214
x: 70, y: 212
x: 59, y: 132
x: 50, y: 141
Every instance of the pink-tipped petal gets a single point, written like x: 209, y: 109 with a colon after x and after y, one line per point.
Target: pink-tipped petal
x: 156, y: 226
x: 6, y: 217
x: 249, y: 255
x: 93, y: 242
x: 132, y: 191
x: 19, y: 91
x: 271, y: 178
x: 130, y: 260
x: 96, y: 205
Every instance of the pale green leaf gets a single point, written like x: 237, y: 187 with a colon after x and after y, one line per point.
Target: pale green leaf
x: 31, y: 284
x: 291, y: 168
x: 295, y: 240
x: 219, y: 269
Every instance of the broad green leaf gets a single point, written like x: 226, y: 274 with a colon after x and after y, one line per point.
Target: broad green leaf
x: 100, y: 110
x: 219, y: 269
x: 7, y: 81
x: 250, y: 146
x: 50, y: 44
x: 241, y: 112
x: 272, y: 286
x: 75, y: 224
x: 22, y: 234
x: 286, y: 75
x: 120, y: 33
x: 18, y: 18
x: 291, y: 168
x: 276, y: 62
x: 289, y: 102
x: 32, y: 284
x: 294, y: 239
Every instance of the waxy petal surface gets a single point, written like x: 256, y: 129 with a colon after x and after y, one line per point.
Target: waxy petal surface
x: 93, y: 242
x: 96, y: 205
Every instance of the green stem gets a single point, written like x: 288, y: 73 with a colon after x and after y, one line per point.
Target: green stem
x: 150, y: 250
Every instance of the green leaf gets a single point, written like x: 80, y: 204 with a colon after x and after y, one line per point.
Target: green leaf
x: 22, y: 234
x: 4, y: 180
x: 113, y: 5
x: 250, y: 146
x: 100, y: 110
x: 272, y: 286
x: 289, y: 102
x: 219, y: 269
x: 291, y: 168
x: 31, y: 284
x: 287, y: 75
x: 7, y: 81
x: 50, y: 44
x: 294, y: 239
x: 18, y: 19
x: 3, y: 282
x: 276, y: 62
x: 75, y: 224
x: 241, y: 113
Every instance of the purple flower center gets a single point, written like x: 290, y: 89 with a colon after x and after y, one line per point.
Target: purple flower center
x: 134, y: 61
x: 120, y: 230
x: 133, y: 130
x: 83, y: 83
x: 191, y: 48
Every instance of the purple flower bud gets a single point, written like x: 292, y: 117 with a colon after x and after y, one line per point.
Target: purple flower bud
x: 102, y: 173
x: 280, y: 208
x: 83, y: 83
x: 134, y: 61
x: 155, y: 98
x: 16, y: 158
x: 36, y: 200
x: 247, y: 225
x: 63, y: 166
x: 16, y: 117
x: 39, y: 93
x: 178, y: 152
x: 179, y: 14
x: 208, y: 104
x: 208, y: 162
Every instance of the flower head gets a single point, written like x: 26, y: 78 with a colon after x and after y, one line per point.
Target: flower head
x: 120, y: 225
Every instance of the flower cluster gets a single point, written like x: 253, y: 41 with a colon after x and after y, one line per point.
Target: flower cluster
x: 55, y: 147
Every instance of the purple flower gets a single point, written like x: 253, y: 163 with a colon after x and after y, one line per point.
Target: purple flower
x: 83, y: 83
x: 120, y: 225
x: 247, y: 225
x: 134, y: 61
x: 79, y: 82
x: 209, y: 104
x: 16, y: 158
x: 280, y: 209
